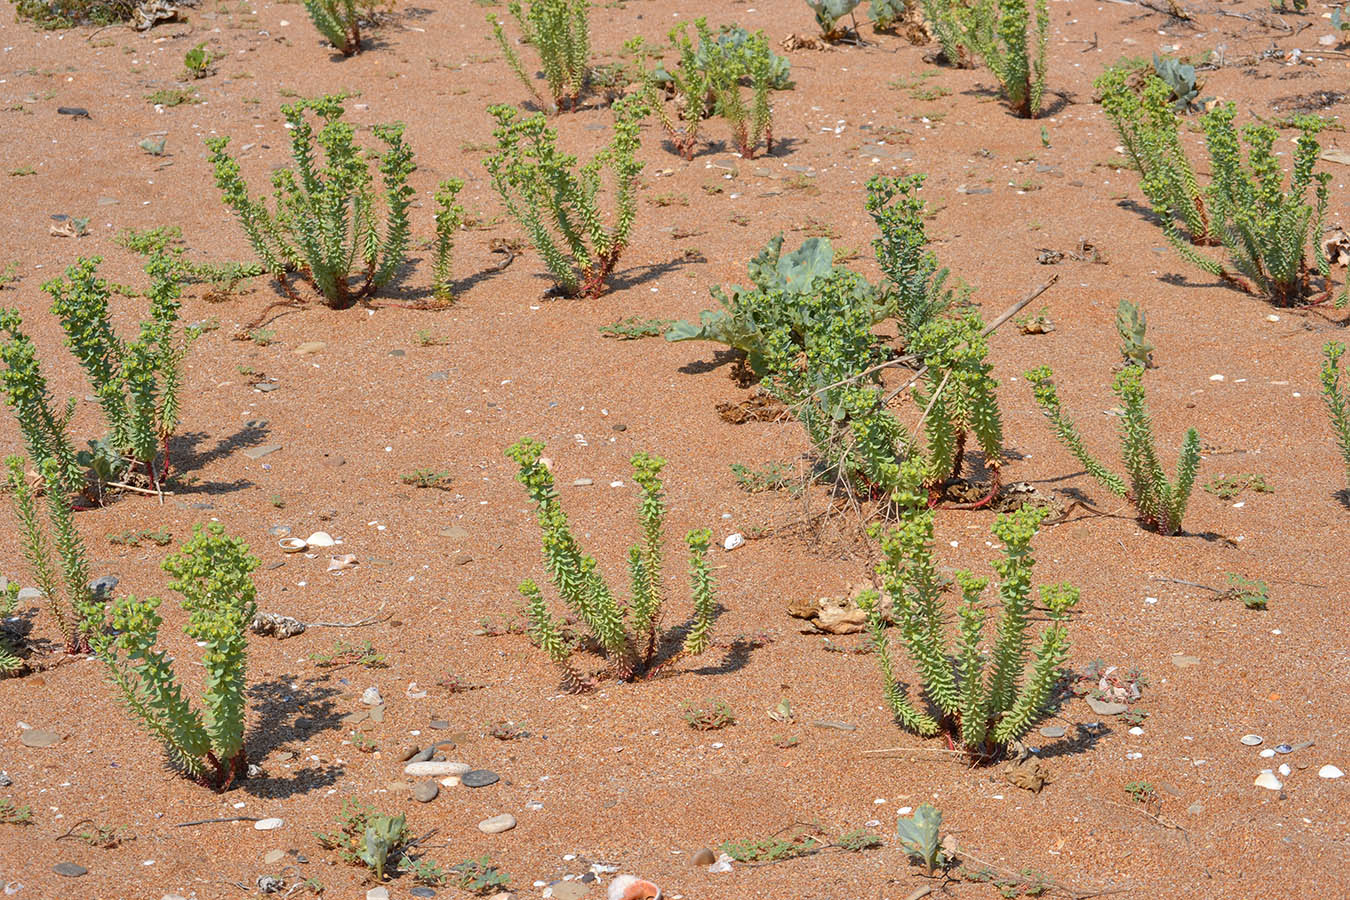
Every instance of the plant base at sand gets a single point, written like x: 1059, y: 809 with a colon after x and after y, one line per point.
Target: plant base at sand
x: 324, y: 226
x: 986, y: 698
x: 628, y: 633
x: 214, y: 575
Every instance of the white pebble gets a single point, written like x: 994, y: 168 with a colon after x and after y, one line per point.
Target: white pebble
x: 497, y: 824
x: 432, y: 768
x: 1216, y: 378
x: 1330, y: 771
x: 1136, y: 731
x: 733, y: 541
x: 268, y: 824
x: 1285, y: 770
x: 1267, y: 753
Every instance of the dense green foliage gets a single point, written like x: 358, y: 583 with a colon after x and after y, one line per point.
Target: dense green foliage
x: 1005, y: 35
x: 806, y: 326
x: 214, y: 574
x: 1337, y: 398
x: 985, y: 698
x: 10, y: 661
x: 324, y: 222
x: 708, y: 81
x: 81, y: 611
x: 137, y: 383
x: 1160, y: 503
x: 1269, y: 226
x: 339, y: 23
x: 364, y: 836
x: 627, y: 633
x: 560, y: 31
x: 556, y: 202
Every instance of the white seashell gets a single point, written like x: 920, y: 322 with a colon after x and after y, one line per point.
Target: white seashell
x: 1252, y: 740
x: 414, y: 692
x: 733, y: 541
x: 320, y: 539
x: 1330, y: 771
x: 1285, y: 770
x: 268, y: 824
x: 1268, y: 780
x: 291, y: 545
x: 1267, y: 753
x: 431, y: 768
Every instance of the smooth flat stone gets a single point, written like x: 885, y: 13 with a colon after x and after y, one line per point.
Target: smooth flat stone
x: 569, y: 890
x: 377, y: 893
x: 308, y: 348
x: 268, y: 824
x: 38, y: 737
x: 1185, y: 662
x: 438, y: 724
x: 837, y: 726
x: 260, y: 452
x: 421, y: 890
x: 69, y: 869
x: 1053, y: 731
x: 477, y: 778
x: 455, y: 532
x: 432, y: 769
x: 1106, y: 708
x: 425, y: 791
x: 498, y: 824
x: 1330, y: 771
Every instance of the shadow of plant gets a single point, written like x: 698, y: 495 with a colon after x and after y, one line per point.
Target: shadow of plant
x: 285, y: 715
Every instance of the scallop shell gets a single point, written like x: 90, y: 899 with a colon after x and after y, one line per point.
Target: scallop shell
x: 291, y: 545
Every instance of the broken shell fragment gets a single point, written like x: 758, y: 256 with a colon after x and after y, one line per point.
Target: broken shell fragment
x: 1330, y: 771
x: 338, y: 563
x: 291, y: 545
x: 1268, y: 780
x: 630, y: 887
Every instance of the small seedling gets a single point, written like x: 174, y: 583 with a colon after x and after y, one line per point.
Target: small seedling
x: 772, y: 848
x: 14, y: 815
x: 1253, y: 594
x: 158, y: 536
x: 365, y: 836
x: 104, y: 837
x: 479, y: 876
x: 170, y: 97
x: 783, y: 712
x: 783, y: 742
x: 198, y: 61
x: 919, y: 836
x: 1134, y: 716
x: 1226, y: 487
x: 773, y: 477
x: 344, y: 654
x: 1132, y: 325
x: 858, y: 840
x: 632, y: 328
x: 425, y: 337
x: 363, y: 743
x: 1337, y: 398
x: 709, y: 715
x: 262, y: 336
x: 427, y: 478
x: 1141, y: 792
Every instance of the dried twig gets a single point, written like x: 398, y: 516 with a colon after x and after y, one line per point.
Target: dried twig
x: 215, y: 821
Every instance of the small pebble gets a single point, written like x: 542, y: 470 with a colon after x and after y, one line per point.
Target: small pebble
x: 704, y: 857
x: 421, y: 891
x: 733, y: 541
x: 425, y: 791
x: 1053, y: 731
x: 1285, y: 770
x: 69, y: 869
x: 1136, y: 731
x: 268, y: 824
x: 497, y: 824
x: 1330, y: 771
x: 409, y: 752
x: 377, y: 893
x: 38, y: 737
x: 272, y: 857
x: 1267, y: 753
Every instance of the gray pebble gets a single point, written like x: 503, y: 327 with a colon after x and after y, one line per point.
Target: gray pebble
x: 1053, y: 731
x: 69, y: 869
x: 425, y: 791
x: 266, y: 387
x: 102, y: 588
x: 479, y: 778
